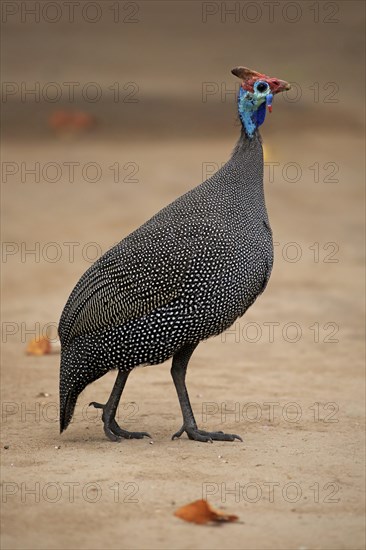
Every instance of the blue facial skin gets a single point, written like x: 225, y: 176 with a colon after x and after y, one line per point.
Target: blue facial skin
x: 252, y: 106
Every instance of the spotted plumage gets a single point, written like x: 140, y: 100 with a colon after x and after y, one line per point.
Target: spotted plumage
x: 185, y: 275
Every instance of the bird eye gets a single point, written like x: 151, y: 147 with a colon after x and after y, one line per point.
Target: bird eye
x: 262, y: 86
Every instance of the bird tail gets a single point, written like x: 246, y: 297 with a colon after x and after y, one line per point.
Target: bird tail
x: 75, y: 375
x: 67, y: 407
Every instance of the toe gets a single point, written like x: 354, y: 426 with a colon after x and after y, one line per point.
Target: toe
x: 96, y: 405
x: 179, y: 433
x: 201, y: 435
x: 197, y: 435
x: 137, y: 435
x: 112, y: 436
x: 220, y: 436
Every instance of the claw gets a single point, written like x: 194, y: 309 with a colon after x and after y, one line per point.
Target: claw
x: 96, y: 405
x: 113, y: 431
x: 111, y: 435
x: 206, y: 437
x: 179, y: 433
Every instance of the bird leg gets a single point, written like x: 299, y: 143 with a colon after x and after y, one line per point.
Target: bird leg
x: 111, y: 428
x: 178, y: 371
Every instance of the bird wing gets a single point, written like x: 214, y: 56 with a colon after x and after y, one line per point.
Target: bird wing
x: 129, y: 281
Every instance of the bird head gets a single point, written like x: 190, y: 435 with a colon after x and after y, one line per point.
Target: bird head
x: 255, y: 94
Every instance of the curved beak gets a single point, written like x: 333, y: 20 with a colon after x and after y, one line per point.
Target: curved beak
x: 282, y: 86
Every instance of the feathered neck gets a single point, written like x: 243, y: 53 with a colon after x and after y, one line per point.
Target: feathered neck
x: 246, y: 143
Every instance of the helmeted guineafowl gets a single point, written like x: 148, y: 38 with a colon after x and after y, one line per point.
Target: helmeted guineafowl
x: 185, y: 275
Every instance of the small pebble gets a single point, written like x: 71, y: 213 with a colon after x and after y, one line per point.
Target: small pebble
x: 43, y: 394
x: 57, y: 446
x: 151, y: 442
x: 6, y: 446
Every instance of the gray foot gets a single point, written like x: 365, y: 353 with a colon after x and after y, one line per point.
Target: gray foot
x: 112, y: 430
x: 200, y: 435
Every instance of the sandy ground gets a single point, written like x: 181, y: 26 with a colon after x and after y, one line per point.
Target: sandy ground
x: 289, y: 377
x: 294, y: 394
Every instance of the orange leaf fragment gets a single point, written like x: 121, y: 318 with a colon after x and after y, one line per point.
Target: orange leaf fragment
x: 71, y: 121
x: 201, y: 512
x: 39, y: 346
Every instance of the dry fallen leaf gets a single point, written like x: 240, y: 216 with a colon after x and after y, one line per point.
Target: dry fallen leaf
x: 71, y: 121
x: 201, y: 512
x: 39, y: 346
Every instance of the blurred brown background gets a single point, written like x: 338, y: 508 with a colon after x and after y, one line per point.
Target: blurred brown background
x: 133, y: 103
